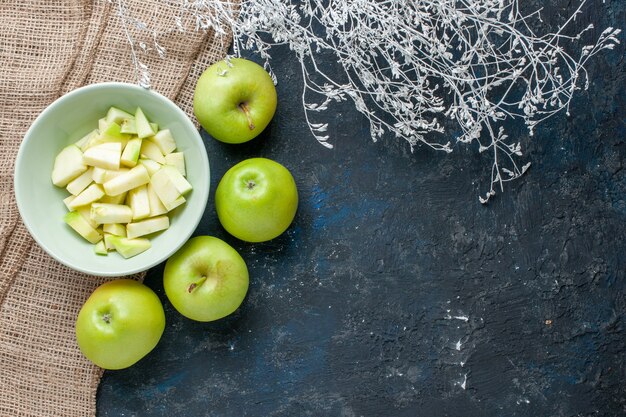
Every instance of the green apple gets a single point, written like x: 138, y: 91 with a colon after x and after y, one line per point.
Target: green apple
x: 206, y: 279
x: 120, y: 323
x: 234, y: 100
x: 256, y: 200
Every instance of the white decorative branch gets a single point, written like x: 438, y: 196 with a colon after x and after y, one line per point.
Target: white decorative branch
x: 409, y: 64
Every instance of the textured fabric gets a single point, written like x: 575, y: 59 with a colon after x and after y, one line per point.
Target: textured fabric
x: 48, y: 48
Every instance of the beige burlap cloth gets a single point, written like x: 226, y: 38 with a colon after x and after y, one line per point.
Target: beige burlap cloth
x: 48, y: 48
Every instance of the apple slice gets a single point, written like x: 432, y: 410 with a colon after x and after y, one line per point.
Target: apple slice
x: 145, y: 227
x: 142, y: 125
x: 85, y: 211
x: 85, y: 140
x: 128, y: 126
x: 150, y: 165
x: 111, y: 133
x: 82, y: 227
x: 116, y: 229
x: 110, y: 174
x: 151, y: 151
x: 173, y: 204
x: 177, y: 160
x: 101, y: 175
x: 107, y: 241
x: 102, y: 124
x: 139, y: 202
x: 129, y: 247
x: 165, y: 141
x: 182, y: 185
x: 68, y: 165
x: 100, y: 248
x: 127, y: 181
x: 113, y: 199
x: 115, y: 115
x: 164, y: 188
x: 105, y: 155
x: 156, y: 206
x: 89, y: 195
x: 130, y: 156
x: 98, y: 175
x: 68, y: 200
x: 111, y: 213
x: 78, y: 184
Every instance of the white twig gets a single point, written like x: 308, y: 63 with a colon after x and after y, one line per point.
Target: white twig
x: 408, y: 64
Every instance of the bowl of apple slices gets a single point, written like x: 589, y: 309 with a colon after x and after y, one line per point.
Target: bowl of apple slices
x: 111, y: 179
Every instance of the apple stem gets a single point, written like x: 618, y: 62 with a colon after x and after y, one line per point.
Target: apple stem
x: 106, y: 317
x: 246, y: 110
x: 196, y: 284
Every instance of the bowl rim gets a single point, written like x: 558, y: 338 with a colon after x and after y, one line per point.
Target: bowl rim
x: 19, y: 160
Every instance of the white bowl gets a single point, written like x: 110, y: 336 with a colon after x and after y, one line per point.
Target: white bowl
x: 65, y: 121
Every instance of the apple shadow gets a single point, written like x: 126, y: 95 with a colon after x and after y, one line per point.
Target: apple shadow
x: 259, y: 146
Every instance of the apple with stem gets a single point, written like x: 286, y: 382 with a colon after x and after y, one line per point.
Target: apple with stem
x: 256, y: 200
x: 234, y: 100
x: 120, y: 323
x: 206, y: 279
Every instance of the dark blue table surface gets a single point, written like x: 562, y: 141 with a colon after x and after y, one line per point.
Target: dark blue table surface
x: 396, y: 293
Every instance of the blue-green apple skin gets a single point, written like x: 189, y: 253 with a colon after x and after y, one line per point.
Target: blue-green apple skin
x: 120, y: 323
x: 234, y: 100
x: 206, y: 279
x: 256, y: 200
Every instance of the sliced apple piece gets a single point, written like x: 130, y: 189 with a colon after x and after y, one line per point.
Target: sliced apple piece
x: 182, y: 185
x: 82, y: 227
x: 173, y: 204
x: 151, y: 151
x: 130, y: 156
x: 142, y: 125
x: 127, y: 181
x: 139, y: 202
x: 165, y: 141
x: 98, y: 175
x: 107, y: 241
x: 156, y: 206
x: 129, y: 247
x: 85, y: 140
x: 115, y: 115
x: 177, y: 160
x: 102, y: 124
x: 148, y: 226
x: 113, y: 199
x: 85, y: 211
x: 78, y: 184
x: 102, y: 213
x: 101, y: 175
x: 110, y: 174
x: 68, y: 200
x: 111, y: 133
x: 128, y: 126
x: 100, y: 248
x: 150, y: 165
x: 105, y: 155
x: 116, y: 229
x: 164, y: 188
x: 68, y: 165
x: 90, y: 194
